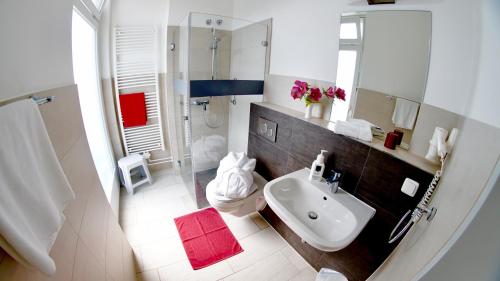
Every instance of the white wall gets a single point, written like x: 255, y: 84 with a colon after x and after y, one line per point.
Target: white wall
x: 179, y: 9
x: 35, y: 49
x: 486, y: 100
x: 133, y: 12
x: 151, y: 12
x: 476, y: 254
x: 305, y: 41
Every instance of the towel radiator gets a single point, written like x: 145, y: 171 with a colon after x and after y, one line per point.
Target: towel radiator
x: 135, y: 54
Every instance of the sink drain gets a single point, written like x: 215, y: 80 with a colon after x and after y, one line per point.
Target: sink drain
x: 312, y: 215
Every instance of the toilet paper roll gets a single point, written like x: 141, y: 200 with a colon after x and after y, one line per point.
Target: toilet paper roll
x: 409, y: 187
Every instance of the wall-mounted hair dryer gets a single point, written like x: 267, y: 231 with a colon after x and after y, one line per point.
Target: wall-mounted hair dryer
x: 439, y: 148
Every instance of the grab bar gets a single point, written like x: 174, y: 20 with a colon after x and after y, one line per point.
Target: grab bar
x: 43, y: 100
x: 37, y: 100
x: 410, y: 223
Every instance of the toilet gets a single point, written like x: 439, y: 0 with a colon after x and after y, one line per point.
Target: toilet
x: 239, y: 207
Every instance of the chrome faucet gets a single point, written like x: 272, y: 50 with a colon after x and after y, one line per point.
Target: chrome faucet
x: 333, y: 181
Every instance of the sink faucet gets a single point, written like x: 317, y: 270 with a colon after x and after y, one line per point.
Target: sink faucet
x: 333, y: 181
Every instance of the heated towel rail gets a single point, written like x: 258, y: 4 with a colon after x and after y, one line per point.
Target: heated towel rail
x: 136, y: 70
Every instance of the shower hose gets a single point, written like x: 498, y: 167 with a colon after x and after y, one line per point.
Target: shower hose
x: 212, y: 125
x: 421, y: 209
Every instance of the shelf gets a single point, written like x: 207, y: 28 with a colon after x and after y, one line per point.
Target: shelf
x: 378, y: 144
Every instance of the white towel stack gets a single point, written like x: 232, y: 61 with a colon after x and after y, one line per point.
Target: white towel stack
x: 234, y: 176
x: 405, y: 113
x: 355, y: 128
x: 33, y: 188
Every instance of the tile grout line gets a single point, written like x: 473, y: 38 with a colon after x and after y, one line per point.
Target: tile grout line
x: 233, y: 271
x: 362, y: 172
x: 286, y: 242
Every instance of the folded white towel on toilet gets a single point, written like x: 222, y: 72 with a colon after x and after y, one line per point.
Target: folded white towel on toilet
x: 356, y: 128
x: 234, y: 176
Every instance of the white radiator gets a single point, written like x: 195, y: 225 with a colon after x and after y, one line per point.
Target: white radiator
x: 136, y: 70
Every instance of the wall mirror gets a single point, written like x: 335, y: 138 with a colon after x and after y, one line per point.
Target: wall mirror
x: 383, y: 63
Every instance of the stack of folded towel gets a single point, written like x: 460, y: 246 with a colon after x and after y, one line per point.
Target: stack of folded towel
x: 357, y: 128
x: 234, y: 176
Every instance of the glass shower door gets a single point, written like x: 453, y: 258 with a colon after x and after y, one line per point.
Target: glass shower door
x: 227, y: 63
x: 181, y: 101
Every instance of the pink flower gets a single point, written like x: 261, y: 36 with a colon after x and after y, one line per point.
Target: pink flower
x: 340, y: 93
x: 330, y: 92
x: 295, y: 93
x: 299, y: 89
x: 315, y: 94
x: 302, y: 85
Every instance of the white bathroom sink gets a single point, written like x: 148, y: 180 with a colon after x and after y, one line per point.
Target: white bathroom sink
x: 340, y: 217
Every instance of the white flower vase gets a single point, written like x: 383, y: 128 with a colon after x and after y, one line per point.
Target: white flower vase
x: 323, y: 109
x: 314, y: 110
x: 308, y: 112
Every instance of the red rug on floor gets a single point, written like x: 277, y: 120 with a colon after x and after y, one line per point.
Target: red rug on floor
x: 206, y: 238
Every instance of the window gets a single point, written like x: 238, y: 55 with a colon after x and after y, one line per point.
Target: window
x: 92, y: 6
x: 87, y: 78
x: 98, y: 4
x: 350, y: 46
x: 349, y: 30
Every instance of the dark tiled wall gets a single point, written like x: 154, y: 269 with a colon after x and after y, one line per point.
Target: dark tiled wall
x: 371, y: 175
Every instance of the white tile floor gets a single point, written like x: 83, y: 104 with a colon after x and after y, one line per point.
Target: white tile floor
x: 147, y: 220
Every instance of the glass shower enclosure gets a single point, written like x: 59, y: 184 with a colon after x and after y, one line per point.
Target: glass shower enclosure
x: 222, y: 63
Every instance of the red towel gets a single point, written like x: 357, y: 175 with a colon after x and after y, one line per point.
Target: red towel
x: 206, y: 238
x: 133, y: 107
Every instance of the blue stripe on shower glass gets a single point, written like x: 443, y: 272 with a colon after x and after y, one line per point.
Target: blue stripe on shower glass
x: 207, y: 88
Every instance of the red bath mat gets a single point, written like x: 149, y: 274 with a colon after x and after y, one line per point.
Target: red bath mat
x: 206, y: 238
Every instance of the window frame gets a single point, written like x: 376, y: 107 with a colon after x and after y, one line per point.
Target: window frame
x: 93, y: 20
x: 89, y: 10
x: 352, y: 45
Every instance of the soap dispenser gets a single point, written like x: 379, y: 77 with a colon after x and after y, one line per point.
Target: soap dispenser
x: 318, y: 167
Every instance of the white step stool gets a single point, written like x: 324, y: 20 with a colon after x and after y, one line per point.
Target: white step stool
x: 126, y: 165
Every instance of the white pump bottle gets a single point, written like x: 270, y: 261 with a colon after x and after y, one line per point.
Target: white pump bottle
x: 318, y: 167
